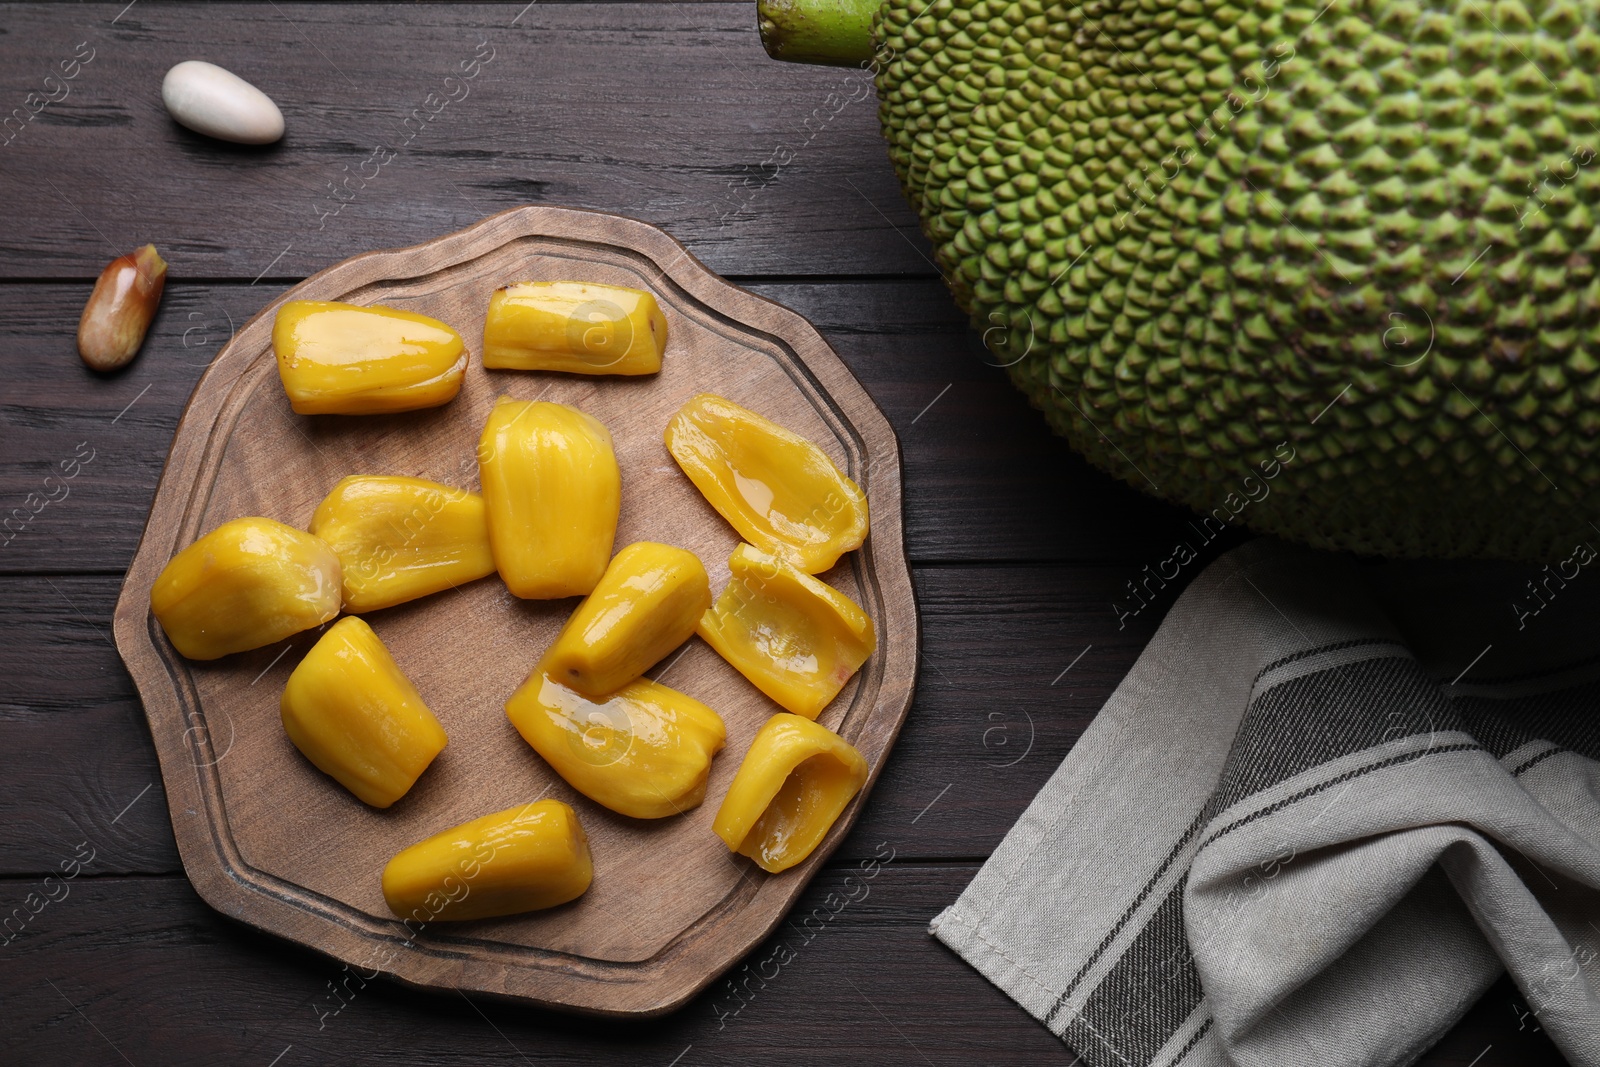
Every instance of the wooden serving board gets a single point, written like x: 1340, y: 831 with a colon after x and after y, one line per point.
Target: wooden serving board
x: 272, y: 842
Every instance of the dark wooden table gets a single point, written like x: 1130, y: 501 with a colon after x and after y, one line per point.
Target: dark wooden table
x: 669, y: 112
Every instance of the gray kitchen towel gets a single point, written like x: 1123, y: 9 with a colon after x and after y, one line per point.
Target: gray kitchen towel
x: 1329, y: 805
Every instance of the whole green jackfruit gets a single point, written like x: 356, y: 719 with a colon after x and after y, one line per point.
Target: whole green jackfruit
x: 1325, y: 268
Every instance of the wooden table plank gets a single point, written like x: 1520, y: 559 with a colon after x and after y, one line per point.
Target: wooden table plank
x: 213, y: 992
x: 669, y: 112
x: 985, y: 479
x: 142, y: 969
x: 993, y: 716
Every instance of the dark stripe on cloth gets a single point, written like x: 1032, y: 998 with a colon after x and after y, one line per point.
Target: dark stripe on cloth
x: 1105, y: 942
x: 1486, y: 721
x: 1337, y: 646
x: 1340, y: 780
x: 1305, y: 722
x: 1293, y: 707
x: 1289, y: 730
x: 1205, y: 1028
x: 1528, y: 765
x: 1567, y: 717
x: 1144, y: 999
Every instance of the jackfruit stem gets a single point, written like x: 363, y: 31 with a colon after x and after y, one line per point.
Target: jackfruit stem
x: 836, y: 33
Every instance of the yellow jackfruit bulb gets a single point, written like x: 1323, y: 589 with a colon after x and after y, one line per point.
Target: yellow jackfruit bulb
x: 522, y: 859
x: 793, y: 784
x: 553, y: 490
x: 646, y: 604
x: 780, y: 491
x: 248, y: 583
x: 350, y: 710
x: 645, y: 751
x: 343, y: 359
x: 796, y: 639
x: 400, y: 538
x: 578, y: 327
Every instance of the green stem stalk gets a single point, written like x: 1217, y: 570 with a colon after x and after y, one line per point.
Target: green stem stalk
x: 837, y: 33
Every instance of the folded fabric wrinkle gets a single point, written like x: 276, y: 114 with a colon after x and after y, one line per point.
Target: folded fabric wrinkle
x: 1300, y: 832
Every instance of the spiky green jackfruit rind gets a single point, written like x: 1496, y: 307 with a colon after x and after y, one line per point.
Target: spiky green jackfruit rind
x: 1191, y: 226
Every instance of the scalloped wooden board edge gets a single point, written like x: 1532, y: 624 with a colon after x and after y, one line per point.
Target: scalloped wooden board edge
x: 283, y: 867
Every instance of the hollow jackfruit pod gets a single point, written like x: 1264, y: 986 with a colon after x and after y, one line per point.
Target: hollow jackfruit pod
x: 793, y: 784
x: 796, y: 639
x: 778, y: 490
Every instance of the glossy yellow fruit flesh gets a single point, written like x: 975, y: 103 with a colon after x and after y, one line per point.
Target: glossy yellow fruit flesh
x: 645, y: 751
x: 647, y: 603
x: 578, y: 327
x: 796, y: 639
x: 342, y: 359
x: 553, y: 490
x: 350, y: 710
x: 521, y: 859
x: 401, y: 538
x: 248, y: 583
x: 795, y: 780
x: 779, y: 490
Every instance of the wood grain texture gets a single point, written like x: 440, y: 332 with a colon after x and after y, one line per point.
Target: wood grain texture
x: 851, y: 977
x: 232, y: 996
x: 143, y: 959
x: 989, y: 481
x: 269, y: 840
x: 701, y: 160
x: 74, y: 750
x: 992, y: 716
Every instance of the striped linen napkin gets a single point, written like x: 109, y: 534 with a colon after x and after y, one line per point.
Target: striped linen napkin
x: 1301, y: 833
